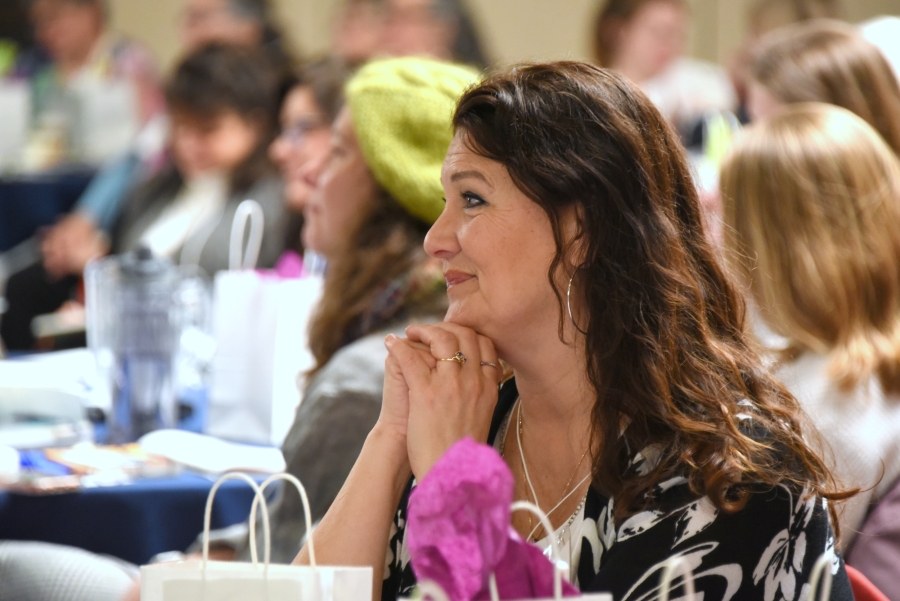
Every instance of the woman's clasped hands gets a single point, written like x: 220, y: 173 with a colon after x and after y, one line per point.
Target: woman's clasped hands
x: 441, y: 385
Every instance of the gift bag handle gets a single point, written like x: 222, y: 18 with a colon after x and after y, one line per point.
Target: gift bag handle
x: 554, y: 550
x: 431, y: 590
x: 671, y: 567
x: 248, y: 210
x: 821, y: 573
x: 307, y: 513
x: 207, y: 516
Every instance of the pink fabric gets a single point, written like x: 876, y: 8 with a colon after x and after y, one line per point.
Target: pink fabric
x: 288, y: 267
x: 459, y: 530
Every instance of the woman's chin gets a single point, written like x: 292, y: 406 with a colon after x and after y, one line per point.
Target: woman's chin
x: 457, y: 314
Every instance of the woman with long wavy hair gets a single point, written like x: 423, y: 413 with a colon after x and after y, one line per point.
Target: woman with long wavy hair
x: 639, y: 418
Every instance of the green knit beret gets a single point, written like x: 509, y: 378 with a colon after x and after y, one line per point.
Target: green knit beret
x: 402, y: 110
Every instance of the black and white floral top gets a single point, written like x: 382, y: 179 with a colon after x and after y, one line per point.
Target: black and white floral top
x: 764, y: 552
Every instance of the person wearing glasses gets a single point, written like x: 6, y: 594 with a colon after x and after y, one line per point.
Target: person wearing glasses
x: 310, y: 106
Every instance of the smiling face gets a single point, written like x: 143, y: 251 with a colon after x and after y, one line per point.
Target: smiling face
x: 496, y: 246
x: 345, y: 194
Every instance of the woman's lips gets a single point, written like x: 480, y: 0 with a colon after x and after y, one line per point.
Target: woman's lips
x: 456, y: 277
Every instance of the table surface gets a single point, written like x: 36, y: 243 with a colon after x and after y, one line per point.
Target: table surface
x: 28, y: 202
x: 133, y: 522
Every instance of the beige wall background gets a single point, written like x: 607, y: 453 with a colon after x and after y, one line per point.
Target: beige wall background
x: 513, y: 30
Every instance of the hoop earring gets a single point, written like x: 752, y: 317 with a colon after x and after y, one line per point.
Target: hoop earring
x: 569, y: 305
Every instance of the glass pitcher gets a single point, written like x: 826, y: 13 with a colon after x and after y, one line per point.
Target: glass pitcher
x: 140, y: 311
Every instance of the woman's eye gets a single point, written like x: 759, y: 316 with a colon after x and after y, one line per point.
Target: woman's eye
x: 472, y: 200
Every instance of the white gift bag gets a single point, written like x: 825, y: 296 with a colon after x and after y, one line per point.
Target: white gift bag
x: 206, y: 580
x: 260, y: 326
x: 430, y: 590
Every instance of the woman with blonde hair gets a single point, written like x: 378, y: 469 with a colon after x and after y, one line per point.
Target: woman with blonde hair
x: 825, y: 61
x: 812, y: 203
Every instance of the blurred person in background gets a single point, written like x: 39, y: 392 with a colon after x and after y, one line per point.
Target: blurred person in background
x: 812, y: 203
x: 818, y: 60
x: 309, y: 107
x: 223, y: 105
x: 441, y: 29
x: 764, y: 16
x: 825, y: 61
x: 85, y: 57
x: 248, y: 23
x: 646, y: 40
x: 375, y: 197
x: 357, y: 30
x: 222, y: 101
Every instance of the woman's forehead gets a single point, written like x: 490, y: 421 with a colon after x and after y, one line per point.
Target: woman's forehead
x: 462, y: 162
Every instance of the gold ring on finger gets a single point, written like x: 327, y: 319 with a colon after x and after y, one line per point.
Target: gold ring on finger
x: 458, y: 357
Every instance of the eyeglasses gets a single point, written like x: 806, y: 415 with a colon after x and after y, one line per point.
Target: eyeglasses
x: 295, y: 133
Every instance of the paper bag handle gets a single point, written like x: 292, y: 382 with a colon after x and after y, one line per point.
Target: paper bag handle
x: 306, y: 513
x: 207, y: 516
x: 821, y: 573
x: 431, y: 590
x: 673, y: 565
x: 554, y: 550
x: 247, y: 210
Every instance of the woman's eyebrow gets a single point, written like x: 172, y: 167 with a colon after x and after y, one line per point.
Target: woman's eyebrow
x: 467, y: 174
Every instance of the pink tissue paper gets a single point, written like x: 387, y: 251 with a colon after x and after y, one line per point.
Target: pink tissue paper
x: 459, y: 530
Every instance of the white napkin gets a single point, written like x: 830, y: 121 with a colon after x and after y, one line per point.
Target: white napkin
x: 210, y: 454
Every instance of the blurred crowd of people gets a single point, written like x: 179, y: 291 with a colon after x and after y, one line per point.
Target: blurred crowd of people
x: 798, y: 136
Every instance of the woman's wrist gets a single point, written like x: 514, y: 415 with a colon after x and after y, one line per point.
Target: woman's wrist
x: 390, y: 445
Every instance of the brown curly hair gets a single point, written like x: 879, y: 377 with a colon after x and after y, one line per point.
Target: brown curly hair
x: 663, y: 326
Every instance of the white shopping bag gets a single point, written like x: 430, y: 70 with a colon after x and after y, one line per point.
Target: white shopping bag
x: 260, y: 326
x: 226, y: 581
x: 430, y: 590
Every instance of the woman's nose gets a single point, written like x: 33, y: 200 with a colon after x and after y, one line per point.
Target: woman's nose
x: 312, y: 169
x: 442, y: 241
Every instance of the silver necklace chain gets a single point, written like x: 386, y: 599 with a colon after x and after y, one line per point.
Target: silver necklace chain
x: 574, y: 515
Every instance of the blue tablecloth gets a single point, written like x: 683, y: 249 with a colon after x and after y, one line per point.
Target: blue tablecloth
x: 29, y: 202
x: 133, y: 522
